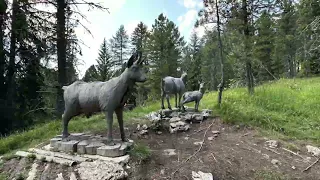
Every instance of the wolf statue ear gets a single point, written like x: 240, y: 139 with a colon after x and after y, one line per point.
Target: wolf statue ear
x: 132, y: 59
x: 139, y: 58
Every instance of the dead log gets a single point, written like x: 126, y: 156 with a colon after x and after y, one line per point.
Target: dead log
x: 47, y: 158
x: 59, y: 155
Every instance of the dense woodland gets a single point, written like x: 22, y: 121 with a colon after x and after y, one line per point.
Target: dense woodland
x: 246, y: 43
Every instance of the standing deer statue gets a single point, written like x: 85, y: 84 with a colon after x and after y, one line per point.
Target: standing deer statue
x: 191, y: 96
x: 172, y: 85
x: 108, y: 97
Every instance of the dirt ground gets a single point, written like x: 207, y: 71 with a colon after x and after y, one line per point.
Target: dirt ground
x: 237, y: 153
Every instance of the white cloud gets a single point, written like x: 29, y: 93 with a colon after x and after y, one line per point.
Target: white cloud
x: 165, y: 12
x: 187, y: 20
x: 131, y: 26
x: 99, y: 25
x: 200, y: 4
x: 188, y: 3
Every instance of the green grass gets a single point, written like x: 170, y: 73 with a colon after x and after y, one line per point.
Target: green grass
x: 140, y: 152
x: 267, y: 175
x: 289, y: 108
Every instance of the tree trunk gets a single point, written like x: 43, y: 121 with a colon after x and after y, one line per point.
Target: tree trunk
x: 12, y: 55
x: 61, y: 51
x: 246, y: 32
x: 221, y: 85
x: 3, y: 8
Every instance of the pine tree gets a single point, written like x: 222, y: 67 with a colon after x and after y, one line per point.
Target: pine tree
x: 308, y: 22
x: 139, y: 42
x: 104, y: 62
x: 91, y: 74
x: 264, y: 46
x: 139, y: 36
x: 120, y: 48
x: 194, y: 73
x: 164, y: 49
x: 285, y: 42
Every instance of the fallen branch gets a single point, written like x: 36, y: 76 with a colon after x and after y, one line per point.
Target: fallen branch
x: 293, y: 153
x: 59, y: 155
x: 272, y: 151
x: 47, y: 158
x: 199, y: 149
x: 306, y: 169
x: 214, y: 157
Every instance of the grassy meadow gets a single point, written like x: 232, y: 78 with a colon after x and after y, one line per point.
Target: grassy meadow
x: 287, y: 108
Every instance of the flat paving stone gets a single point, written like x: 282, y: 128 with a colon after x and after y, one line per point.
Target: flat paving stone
x: 53, y: 141
x: 93, y: 146
x: 110, y: 151
x: 81, y: 147
x: 68, y: 146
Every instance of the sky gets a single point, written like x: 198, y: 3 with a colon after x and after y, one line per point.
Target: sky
x: 129, y: 13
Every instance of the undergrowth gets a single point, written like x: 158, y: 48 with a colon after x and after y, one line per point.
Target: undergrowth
x: 286, y: 108
x: 141, y: 152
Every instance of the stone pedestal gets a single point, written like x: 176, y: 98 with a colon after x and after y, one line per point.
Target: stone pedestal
x: 81, y: 143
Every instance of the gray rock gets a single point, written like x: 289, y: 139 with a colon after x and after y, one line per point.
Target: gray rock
x: 165, y: 112
x: 210, y: 138
x: 93, y: 146
x: 145, y: 127
x: 73, y: 176
x: 198, y: 143
x: 101, y: 170
x: 125, y: 146
x: 60, y: 177
x: 197, y: 118
x: 68, y: 146
x: 143, y: 132
x: 179, y: 126
x: 275, y: 162
x: 138, y: 127
x: 187, y: 117
x: 81, y: 147
x: 53, y: 141
x: 154, y: 116
x: 174, y: 119
x: 215, y: 132
x: 110, y: 151
x: 190, y: 109
x: 162, y: 172
x: 76, y: 135
x: 272, y: 143
x: 175, y: 114
x: 201, y: 176
x: 206, y: 113
x: 313, y: 150
x: 209, y: 111
x: 169, y: 152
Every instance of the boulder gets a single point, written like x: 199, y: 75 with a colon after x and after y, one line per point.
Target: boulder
x: 101, y: 170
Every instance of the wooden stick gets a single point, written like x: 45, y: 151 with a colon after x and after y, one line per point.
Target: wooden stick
x: 57, y: 154
x: 306, y: 169
x: 48, y: 158
x: 293, y: 153
x: 272, y: 151
x: 199, y: 149
x: 214, y: 157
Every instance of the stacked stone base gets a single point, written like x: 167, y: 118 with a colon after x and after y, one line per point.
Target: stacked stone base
x: 82, y: 143
x: 177, y: 120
